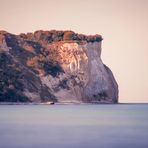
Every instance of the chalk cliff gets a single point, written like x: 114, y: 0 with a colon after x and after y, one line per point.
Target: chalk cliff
x: 58, y: 66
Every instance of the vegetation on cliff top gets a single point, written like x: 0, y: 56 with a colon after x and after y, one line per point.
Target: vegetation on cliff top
x: 54, y: 35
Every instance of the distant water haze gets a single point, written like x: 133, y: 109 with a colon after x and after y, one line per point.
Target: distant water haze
x: 122, y: 23
x: 74, y: 126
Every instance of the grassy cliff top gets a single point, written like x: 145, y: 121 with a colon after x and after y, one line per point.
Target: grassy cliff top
x: 54, y: 35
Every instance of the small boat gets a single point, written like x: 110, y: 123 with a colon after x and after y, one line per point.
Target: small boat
x: 52, y: 103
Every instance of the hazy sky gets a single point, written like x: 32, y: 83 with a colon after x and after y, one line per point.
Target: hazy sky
x: 122, y: 23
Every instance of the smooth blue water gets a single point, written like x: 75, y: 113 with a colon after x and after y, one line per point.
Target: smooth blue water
x: 74, y: 126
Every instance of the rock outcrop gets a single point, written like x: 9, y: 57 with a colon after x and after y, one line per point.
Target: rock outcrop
x: 57, y: 66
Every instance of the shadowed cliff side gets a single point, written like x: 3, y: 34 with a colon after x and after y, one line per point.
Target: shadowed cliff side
x: 57, y: 66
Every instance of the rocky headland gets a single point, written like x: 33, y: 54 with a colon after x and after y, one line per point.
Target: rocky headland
x: 54, y: 66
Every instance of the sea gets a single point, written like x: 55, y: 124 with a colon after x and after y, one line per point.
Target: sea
x: 74, y: 126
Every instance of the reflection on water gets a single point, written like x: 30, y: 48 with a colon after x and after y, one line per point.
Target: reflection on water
x: 74, y: 126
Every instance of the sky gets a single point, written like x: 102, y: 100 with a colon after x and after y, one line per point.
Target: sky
x: 122, y: 23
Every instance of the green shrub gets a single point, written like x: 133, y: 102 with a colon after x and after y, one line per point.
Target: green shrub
x: 68, y: 35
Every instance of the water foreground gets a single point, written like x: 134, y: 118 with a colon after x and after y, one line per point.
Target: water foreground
x: 74, y: 126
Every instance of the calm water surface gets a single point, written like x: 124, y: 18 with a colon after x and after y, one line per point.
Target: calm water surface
x: 74, y: 126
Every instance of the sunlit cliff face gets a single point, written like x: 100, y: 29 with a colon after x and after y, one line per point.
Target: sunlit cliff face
x: 59, y: 66
x: 93, y: 81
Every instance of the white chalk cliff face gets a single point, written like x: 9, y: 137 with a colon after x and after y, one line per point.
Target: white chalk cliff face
x: 86, y: 78
x: 54, y: 66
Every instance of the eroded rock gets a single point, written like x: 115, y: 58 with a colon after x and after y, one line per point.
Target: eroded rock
x: 58, y: 66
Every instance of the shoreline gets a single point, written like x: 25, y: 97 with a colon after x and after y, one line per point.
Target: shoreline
x: 64, y: 103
